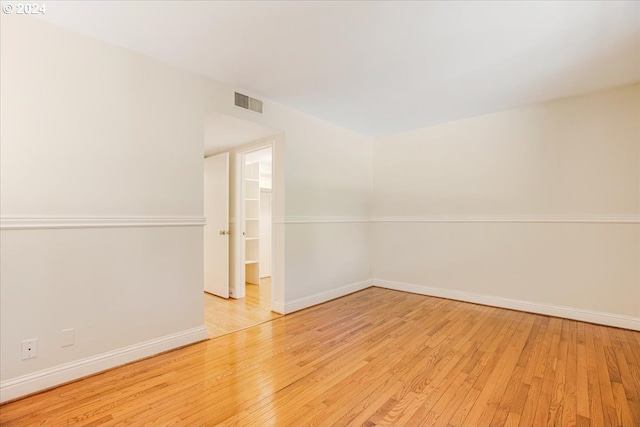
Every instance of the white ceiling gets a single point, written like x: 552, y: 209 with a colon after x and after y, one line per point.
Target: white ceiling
x: 381, y: 67
x: 222, y: 132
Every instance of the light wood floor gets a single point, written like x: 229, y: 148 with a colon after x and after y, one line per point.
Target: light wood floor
x: 376, y: 357
x: 223, y: 316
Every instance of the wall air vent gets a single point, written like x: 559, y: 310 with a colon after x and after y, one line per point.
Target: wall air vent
x: 248, y: 103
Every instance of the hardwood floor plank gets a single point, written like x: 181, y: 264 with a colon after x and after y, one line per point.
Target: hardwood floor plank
x: 558, y: 398
x: 623, y: 411
x: 550, y: 366
x: 517, y: 406
x: 606, y: 392
x: 582, y: 383
x: 376, y: 357
x: 596, y: 409
x: 570, y: 404
x: 502, y: 411
x: 630, y: 389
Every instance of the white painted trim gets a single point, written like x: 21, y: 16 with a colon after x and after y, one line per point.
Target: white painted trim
x: 588, y: 219
x: 617, y: 219
x: 602, y: 318
x: 301, y: 303
x: 278, y: 307
x: 47, y: 378
x: 30, y: 223
x: 320, y: 219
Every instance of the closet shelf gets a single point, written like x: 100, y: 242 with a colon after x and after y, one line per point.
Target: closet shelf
x: 252, y: 222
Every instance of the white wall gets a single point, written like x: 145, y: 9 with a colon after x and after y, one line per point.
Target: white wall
x: 538, y: 205
x: 328, y: 187
x: 95, y: 136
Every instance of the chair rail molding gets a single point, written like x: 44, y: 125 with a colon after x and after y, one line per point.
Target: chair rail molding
x: 53, y: 222
x: 588, y: 219
x: 320, y: 219
x: 447, y: 218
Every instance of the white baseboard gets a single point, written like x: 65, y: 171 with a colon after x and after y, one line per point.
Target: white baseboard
x: 602, y: 318
x: 321, y: 297
x: 47, y: 378
x: 277, y: 307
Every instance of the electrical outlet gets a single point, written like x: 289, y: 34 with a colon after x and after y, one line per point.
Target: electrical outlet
x: 29, y: 349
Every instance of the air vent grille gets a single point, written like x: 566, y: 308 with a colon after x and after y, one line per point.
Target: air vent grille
x: 255, y: 105
x: 242, y: 101
x: 248, y: 103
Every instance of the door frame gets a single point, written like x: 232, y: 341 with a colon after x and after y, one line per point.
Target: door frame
x: 237, y: 288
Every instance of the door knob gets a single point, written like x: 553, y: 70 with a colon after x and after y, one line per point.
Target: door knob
x: 223, y: 232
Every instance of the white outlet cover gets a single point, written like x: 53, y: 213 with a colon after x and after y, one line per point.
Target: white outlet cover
x: 29, y: 348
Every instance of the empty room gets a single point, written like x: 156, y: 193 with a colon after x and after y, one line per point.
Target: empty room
x: 289, y: 213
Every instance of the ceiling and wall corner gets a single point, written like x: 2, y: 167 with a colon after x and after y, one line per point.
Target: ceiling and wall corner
x: 381, y: 67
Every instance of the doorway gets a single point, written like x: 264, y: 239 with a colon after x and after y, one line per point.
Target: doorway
x: 246, y: 284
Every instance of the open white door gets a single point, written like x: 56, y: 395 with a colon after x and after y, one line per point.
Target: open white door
x: 216, y: 230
